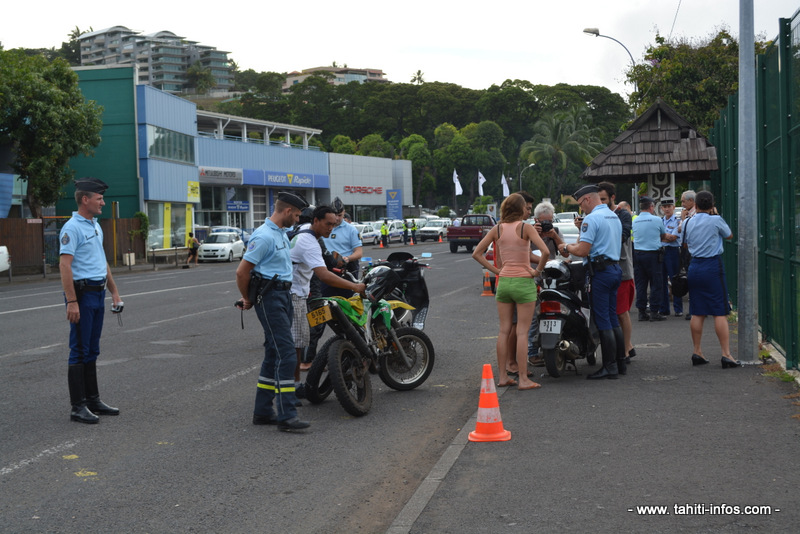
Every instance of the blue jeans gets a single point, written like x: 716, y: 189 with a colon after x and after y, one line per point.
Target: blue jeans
x: 280, y: 359
x: 84, y: 336
x: 672, y: 264
x: 604, y: 297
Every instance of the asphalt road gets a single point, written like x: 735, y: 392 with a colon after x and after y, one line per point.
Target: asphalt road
x: 183, y: 455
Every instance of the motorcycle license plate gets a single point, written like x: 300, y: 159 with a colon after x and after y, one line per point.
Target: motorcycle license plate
x: 319, y: 316
x: 550, y: 326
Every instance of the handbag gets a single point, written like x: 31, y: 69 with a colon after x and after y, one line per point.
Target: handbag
x: 680, y: 284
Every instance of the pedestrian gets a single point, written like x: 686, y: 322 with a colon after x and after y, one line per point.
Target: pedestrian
x: 405, y: 232
x: 307, y: 262
x: 515, y: 282
x: 194, y: 246
x: 85, y: 275
x: 627, y: 288
x: 687, y: 202
x: 264, y: 279
x: 648, y: 231
x: 413, y: 231
x: 544, y: 215
x: 672, y: 257
x: 708, y: 292
x: 599, y: 242
x: 385, y: 233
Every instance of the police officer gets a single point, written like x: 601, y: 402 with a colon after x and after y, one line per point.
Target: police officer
x: 385, y: 233
x: 84, y: 276
x: 345, y: 244
x: 405, y: 232
x: 648, y: 231
x: 413, y: 231
x: 264, y: 278
x: 672, y: 257
x: 600, y: 238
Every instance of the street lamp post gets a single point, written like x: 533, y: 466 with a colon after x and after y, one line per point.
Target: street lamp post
x: 520, y: 175
x: 596, y: 33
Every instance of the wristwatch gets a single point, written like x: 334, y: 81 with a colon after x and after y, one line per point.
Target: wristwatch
x: 565, y: 249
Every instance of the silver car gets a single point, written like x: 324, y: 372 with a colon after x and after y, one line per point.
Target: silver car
x: 221, y: 246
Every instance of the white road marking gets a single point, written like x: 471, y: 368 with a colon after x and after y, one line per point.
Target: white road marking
x: 234, y: 376
x: 44, y: 454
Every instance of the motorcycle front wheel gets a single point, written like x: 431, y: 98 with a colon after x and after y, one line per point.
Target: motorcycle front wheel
x: 392, y: 368
x: 350, y: 377
x: 318, y: 380
x: 554, y: 361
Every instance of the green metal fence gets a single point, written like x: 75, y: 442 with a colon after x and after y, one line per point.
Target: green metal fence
x: 778, y: 168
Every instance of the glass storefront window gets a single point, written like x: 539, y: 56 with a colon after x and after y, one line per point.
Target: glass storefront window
x: 168, y: 226
x: 169, y: 145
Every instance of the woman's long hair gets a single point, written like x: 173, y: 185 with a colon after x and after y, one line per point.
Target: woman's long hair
x: 513, y: 208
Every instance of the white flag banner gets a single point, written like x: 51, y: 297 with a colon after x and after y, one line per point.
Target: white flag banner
x: 459, y: 191
x: 481, y: 181
x: 505, y: 187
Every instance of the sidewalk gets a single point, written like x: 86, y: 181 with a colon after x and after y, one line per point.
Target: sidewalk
x: 53, y: 274
x: 702, y: 442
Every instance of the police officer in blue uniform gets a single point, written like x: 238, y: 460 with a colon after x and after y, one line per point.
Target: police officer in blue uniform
x: 264, y: 278
x: 85, y: 275
x: 672, y: 257
x: 600, y: 241
x: 648, y: 232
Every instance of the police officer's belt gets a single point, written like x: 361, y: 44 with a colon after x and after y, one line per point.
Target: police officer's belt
x: 648, y: 251
x: 276, y: 285
x: 602, y: 262
x: 86, y: 284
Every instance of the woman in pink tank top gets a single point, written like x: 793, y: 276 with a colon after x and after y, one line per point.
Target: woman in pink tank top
x: 516, y: 284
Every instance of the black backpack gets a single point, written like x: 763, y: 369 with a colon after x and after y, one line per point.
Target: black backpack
x: 330, y: 262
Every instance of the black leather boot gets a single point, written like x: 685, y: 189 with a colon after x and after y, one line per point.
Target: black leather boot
x: 77, y: 396
x: 619, y: 339
x: 93, y: 401
x: 609, y: 348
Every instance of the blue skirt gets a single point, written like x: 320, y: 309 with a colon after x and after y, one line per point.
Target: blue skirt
x: 708, y: 292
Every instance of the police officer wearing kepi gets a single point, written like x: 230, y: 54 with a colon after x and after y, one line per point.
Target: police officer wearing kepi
x: 648, y: 232
x: 672, y: 257
x: 85, y: 275
x: 264, y: 278
x: 345, y: 245
x: 600, y: 238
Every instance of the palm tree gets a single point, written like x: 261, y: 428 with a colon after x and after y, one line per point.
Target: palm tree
x: 559, y: 139
x: 417, y: 78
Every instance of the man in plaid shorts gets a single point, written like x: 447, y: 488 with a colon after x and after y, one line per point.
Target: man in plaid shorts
x: 307, y: 260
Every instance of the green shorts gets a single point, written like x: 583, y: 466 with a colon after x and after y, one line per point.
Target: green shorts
x: 519, y: 290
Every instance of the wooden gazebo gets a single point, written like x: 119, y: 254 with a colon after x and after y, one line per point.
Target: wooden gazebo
x: 659, y: 148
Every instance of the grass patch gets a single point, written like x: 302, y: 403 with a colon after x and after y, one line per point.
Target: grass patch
x: 775, y: 370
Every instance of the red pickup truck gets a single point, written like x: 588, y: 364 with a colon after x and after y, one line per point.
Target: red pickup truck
x: 470, y: 232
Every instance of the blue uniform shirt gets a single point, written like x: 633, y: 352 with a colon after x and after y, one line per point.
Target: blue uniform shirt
x: 603, y: 229
x: 82, y: 239
x: 268, y: 250
x: 343, y: 239
x: 671, y: 227
x: 647, y: 231
x: 704, y: 233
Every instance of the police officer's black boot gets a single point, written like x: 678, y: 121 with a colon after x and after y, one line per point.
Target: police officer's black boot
x: 619, y: 339
x: 93, y: 401
x: 77, y: 396
x: 609, y: 348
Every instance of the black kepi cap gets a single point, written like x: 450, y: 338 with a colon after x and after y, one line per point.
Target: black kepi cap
x: 667, y: 201
x: 292, y: 199
x: 91, y: 185
x: 645, y: 202
x: 585, y: 190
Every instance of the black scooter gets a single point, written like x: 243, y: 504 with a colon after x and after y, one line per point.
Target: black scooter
x: 566, y: 333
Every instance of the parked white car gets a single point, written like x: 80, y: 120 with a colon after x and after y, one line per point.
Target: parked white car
x: 244, y: 236
x: 5, y: 259
x: 434, y: 229
x: 368, y: 233
x: 221, y: 246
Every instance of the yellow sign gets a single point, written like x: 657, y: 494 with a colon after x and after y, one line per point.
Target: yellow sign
x: 319, y: 316
x: 392, y: 194
x: 193, y: 192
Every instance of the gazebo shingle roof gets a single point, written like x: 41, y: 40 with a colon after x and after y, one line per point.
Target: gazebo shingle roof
x: 658, y: 142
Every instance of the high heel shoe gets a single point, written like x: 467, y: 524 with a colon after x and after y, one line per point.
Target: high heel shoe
x: 729, y: 362
x: 698, y: 360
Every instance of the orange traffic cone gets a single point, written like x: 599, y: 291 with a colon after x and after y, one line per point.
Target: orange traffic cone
x: 490, y: 425
x: 440, y: 239
x: 381, y: 243
x: 487, y: 285
x: 412, y: 241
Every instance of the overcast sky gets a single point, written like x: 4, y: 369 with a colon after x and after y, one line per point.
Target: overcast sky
x: 473, y: 44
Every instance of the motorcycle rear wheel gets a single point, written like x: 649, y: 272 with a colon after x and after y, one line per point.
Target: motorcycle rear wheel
x: 392, y: 368
x: 554, y: 361
x: 350, y: 377
x: 318, y: 380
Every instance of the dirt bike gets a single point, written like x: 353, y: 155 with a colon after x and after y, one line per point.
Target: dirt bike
x: 369, y: 336
x: 565, y: 332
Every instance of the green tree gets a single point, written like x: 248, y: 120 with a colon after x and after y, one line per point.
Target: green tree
x: 415, y: 148
x: 200, y: 78
x: 374, y: 145
x: 417, y: 78
x: 341, y: 144
x: 44, y: 117
x: 71, y: 50
x: 695, y: 77
x: 561, y: 140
